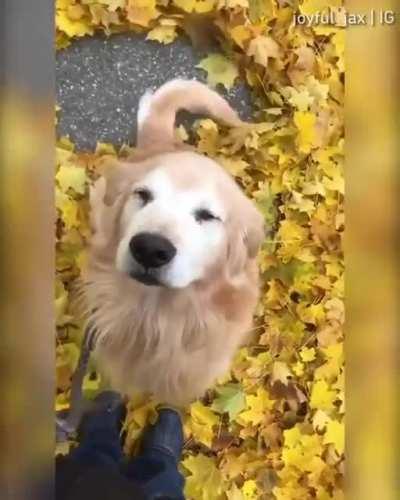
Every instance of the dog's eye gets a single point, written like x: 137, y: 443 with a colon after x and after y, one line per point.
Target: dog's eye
x: 204, y: 215
x: 144, y: 195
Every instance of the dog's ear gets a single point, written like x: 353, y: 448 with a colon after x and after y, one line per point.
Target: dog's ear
x: 107, y: 196
x: 245, y: 236
x: 102, y: 217
x: 118, y: 176
x: 254, y: 232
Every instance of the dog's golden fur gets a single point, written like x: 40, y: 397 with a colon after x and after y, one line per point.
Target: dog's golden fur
x: 171, y: 342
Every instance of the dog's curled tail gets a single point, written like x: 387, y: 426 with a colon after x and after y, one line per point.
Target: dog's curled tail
x: 157, y: 111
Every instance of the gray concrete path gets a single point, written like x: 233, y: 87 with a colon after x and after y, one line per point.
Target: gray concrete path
x: 100, y: 81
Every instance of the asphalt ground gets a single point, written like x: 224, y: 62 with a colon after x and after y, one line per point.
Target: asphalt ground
x: 100, y: 80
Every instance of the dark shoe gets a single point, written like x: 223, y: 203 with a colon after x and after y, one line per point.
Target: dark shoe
x: 106, y: 414
x: 155, y: 469
x: 99, y: 431
x: 165, y: 436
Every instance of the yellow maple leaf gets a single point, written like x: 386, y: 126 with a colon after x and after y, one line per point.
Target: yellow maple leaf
x: 235, y: 166
x: 60, y: 198
x: 162, y: 34
x: 71, y: 177
x: 220, y: 70
x: 240, y: 34
x: 290, y: 492
x: 322, y: 397
x: 62, y: 41
x: 316, y: 468
x: 335, y: 184
x: 317, y: 89
x: 201, y: 424
x: 113, y: 5
x: 250, y: 490
x: 203, y: 414
x: 334, y: 352
x: 307, y: 354
x: 281, y: 372
x: 301, y: 203
x: 291, y: 237
x: 231, y: 4
x: 311, y: 313
x: 205, y: 481
x: 262, y: 49
x: 142, y: 12
x: 260, y: 10
x: 313, y: 6
x: 62, y: 4
x: 257, y: 406
x: 70, y: 27
x: 301, y: 99
x: 301, y: 450
x: 314, y: 187
x: 305, y: 122
x: 105, y: 148
x: 322, y: 494
x: 234, y: 493
x: 275, y: 298
x: 199, y: 6
x: 320, y: 420
x: 291, y: 230
x: 335, y: 435
x: 292, y: 437
x: 305, y: 58
x: 70, y: 213
x: 75, y: 12
x: 143, y: 413
x: 298, y: 368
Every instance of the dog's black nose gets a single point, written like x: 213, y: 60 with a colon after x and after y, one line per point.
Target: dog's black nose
x: 151, y: 250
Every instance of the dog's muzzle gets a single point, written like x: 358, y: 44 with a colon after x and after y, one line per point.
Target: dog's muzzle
x: 152, y: 252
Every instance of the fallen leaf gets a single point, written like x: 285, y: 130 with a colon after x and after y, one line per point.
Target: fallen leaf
x: 162, y: 34
x: 204, y: 481
x: 220, y: 70
x: 335, y: 435
x: 262, y: 49
x: 230, y: 399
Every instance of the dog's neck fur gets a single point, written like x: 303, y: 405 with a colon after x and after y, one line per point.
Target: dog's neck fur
x: 154, y: 326
x: 170, y: 343
x: 119, y: 302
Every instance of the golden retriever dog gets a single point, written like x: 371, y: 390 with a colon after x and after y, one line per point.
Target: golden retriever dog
x: 172, y: 280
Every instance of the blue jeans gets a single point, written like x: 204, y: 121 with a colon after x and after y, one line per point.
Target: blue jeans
x: 154, y: 470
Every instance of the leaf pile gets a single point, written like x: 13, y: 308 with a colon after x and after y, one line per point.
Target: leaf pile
x: 273, y: 428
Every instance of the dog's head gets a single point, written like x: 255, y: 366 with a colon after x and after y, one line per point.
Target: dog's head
x: 182, y: 218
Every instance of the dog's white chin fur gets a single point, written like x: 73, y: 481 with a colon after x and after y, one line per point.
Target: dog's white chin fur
x: 172, y: 341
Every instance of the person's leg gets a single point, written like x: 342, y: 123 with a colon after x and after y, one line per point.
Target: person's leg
x: 99, y: 447
x: 99, y: 432
x: 156, y: 466
x: 154, y: 470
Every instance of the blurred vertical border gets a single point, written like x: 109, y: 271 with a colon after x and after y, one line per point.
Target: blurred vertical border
x: 26, y: 248
x: 372, y: 256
